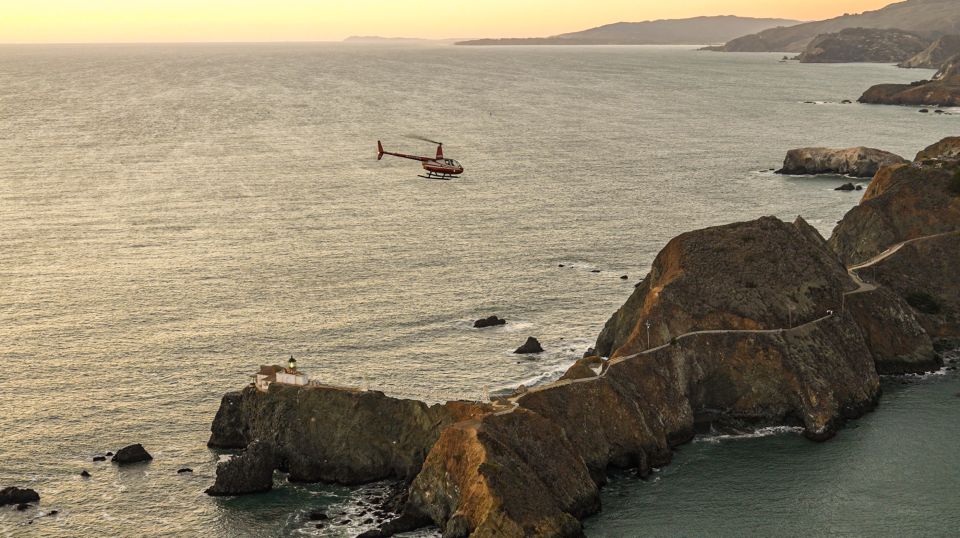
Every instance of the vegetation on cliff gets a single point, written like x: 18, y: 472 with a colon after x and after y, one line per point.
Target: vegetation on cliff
x: 864, y: 45
x: 928, y: 18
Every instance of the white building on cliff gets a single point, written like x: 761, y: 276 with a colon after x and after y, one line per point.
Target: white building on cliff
x: 269, y: 375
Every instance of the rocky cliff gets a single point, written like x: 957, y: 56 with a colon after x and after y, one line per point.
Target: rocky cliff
x: 937, y: 54
x: 737, y: 326
x: 927, y: 18
x: 903, y: 202
x: 943, y: 90
x: 857, y: 162
x: 864, y: 45
x: 335, y: 435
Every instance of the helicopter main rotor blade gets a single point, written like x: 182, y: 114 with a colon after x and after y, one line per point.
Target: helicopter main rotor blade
x: 417, y: 137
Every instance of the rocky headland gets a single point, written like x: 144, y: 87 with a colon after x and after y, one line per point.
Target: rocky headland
x: 857, y: 162
x: 926, y: 18
x: 943, y: 90
x: 749, y: 324
x: 937, y: 54
x: 864, y: 45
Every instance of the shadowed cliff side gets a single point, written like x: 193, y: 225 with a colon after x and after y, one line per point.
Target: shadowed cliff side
x: 903, y: 202
x: 336, y: 435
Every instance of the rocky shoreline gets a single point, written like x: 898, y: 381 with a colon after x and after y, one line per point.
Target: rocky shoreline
x: 750, y: 324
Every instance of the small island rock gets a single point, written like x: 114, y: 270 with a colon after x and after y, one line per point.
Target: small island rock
x: 15, y: 495
x: 532, y: 345
x: 491, y: 321
x: 131, y: 454
x: 846, y: 187
x: 856, y: 162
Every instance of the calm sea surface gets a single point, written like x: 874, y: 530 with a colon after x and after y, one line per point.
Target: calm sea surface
x: 173, y: 216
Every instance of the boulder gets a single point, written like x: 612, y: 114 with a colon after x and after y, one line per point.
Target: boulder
x: 317, y: 515
x: 131, y: 454
x: 856, y: 162
x: 85, y: 474
x: 491, y: 321
x: 532, y: 345
x: 864, y: 45
x: 99, y: 458
x: 15, y: 495
x: 249, y: 472
x: 185, y: 470
x: 846, y: 187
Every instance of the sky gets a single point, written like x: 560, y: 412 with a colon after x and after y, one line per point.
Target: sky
x: 84, y: 21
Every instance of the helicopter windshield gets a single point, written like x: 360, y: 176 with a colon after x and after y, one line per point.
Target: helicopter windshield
x: 452, y: 162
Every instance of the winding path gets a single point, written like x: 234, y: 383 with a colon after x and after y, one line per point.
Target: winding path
x: 862, y: 287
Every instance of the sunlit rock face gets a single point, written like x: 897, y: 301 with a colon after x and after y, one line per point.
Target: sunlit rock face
x: 858, y: 162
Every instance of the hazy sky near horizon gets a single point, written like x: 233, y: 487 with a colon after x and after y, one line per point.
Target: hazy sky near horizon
x: 73, y: 21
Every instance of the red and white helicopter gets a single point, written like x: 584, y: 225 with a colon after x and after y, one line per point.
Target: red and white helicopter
x: 437, y: 167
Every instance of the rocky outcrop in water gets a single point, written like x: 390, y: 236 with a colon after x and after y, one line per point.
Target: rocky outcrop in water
x: 532, y: 345
x: 943, y: 90
x: 491, y: 321
x: 863, y: 45
x: 15, y: 495
x: 857, y: 162
x: 131, y: 454
x: 934, y: 56
x: 249, y: 472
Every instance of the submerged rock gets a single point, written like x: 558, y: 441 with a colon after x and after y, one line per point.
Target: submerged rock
x: 131, y: 454
x: 250, y: 472
x: 532, y: 345
x: 846, y: 187
x: 185, y: 470
x: 85, y: 473
x: 856, y: 162
x: 15, y: 495
x: 99, y: 458
x: 491, y: 321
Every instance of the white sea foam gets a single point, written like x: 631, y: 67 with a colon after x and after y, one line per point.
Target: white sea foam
x: 762, y: 432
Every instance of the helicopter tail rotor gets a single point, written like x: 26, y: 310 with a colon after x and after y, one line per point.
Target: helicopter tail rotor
x: 379, y: 150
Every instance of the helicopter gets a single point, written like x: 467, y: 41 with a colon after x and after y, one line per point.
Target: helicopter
x: 436, y: 167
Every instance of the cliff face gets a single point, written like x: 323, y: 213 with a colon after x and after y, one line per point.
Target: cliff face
x: 857, y: 162
x: 729, y: 277
x: 863, y: 45
x: 924, y: 275
x: 936, y: 54
x: 335, y: 435
x: 927, y: 18
x: 750, y: 324
x: 943, y: 90
x: 902, y: 202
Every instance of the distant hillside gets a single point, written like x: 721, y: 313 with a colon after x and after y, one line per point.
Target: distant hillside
x: 928, y: 18
x: 698, y: 30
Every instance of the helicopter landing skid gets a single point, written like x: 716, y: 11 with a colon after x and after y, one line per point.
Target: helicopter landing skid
x: 445, y: 177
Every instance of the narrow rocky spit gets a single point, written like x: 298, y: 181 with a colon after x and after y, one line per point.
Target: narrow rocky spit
x: 747, y: 325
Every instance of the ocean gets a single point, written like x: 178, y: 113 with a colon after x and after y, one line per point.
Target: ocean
x: 173, y: 216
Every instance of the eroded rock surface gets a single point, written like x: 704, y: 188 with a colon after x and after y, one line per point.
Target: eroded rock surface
x: 249, y: 472
x: 336, y: 435
x: 902, y: 202
x: 857, y: 162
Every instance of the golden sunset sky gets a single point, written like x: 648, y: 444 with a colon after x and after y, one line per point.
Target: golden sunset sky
x: 75, y: 21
